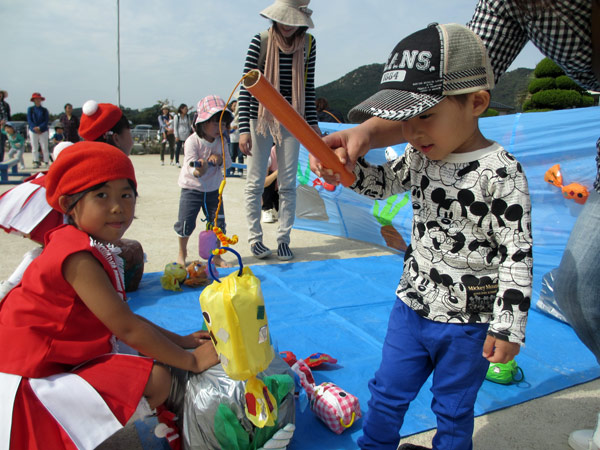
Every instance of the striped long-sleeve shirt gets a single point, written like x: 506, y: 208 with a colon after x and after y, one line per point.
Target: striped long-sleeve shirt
x: 248, y: 105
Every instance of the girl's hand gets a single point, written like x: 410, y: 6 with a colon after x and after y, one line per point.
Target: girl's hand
x: 205, y: 357
x: 246, y: 144
x: 195, y: 339
x: 216, y: 160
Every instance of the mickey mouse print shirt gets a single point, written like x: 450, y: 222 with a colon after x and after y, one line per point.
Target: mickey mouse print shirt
x: 470, y: 257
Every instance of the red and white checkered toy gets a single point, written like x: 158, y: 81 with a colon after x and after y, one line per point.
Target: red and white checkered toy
x: 334, y: 406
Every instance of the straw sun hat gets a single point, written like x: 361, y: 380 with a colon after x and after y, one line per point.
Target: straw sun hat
x: 294, y: 13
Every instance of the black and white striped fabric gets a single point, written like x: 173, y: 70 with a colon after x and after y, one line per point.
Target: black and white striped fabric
x: 284, y: 253
x: 259, y: 250
x: 248, y: 105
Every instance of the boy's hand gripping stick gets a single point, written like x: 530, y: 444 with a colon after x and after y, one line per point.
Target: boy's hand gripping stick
x: 265, y: 93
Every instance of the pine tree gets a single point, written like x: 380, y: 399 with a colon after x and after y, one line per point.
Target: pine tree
x: 551, y: 89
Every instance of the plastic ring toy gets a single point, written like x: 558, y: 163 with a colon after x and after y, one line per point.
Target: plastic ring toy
x: 210, y: 265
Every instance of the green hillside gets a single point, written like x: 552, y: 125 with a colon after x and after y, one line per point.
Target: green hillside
x: 349, y: 90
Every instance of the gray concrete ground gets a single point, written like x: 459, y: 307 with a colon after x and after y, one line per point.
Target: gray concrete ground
x: 544, y: 423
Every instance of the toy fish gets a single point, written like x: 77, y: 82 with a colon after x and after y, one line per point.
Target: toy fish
x: 554, y: 176
x: 577, y: 192
x: 573, y: 191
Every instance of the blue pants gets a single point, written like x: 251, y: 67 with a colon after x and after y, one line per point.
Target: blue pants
x: 577, y: 282
x: 415, y: 347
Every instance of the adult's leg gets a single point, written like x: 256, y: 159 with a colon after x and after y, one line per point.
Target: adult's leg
x: 405, y: 365
x: 255, y: 180
x: 459, y: 371
x: 35, y: 146
x: 171, y: 140
x: 178, y: 151
x: 577, y: 282
x: 287, y: 163
x: 44, y: 146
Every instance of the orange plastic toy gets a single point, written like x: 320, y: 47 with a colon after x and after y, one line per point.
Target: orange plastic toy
x: 573, y: 191
x: 265, y: 93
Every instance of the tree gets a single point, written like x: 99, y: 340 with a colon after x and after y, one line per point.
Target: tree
x: 551, y: 89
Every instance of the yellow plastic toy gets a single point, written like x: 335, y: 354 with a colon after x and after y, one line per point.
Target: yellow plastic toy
x: 234, y: 312
x: 174, y: 275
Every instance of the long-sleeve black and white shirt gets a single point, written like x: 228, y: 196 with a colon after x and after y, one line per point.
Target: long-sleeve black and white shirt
x: 248, y: 105
x: 470, y: 256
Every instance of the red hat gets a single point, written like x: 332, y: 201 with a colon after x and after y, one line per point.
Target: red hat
x: 37, y: 95
x: 83, y: 165
x: 97, y: 119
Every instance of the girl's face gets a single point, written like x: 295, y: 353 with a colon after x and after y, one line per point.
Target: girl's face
x: 106, y: 213
x: 69, y: 109
x: 9, y: 130
x: 184, y: 110
x: 210, y: 128
x: 123, y: 140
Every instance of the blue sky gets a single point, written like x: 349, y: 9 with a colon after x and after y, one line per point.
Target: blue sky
x: 183, y: 50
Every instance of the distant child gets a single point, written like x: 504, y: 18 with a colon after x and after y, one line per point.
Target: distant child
x: 67, y: 383
x: 37, y: 120
x: 58, y: 136
x: 16, y: 143
x: 465, y: 290
x: 105, y: 122
x: 202, y: 173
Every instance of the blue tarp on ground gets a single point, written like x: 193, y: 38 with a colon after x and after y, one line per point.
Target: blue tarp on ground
x: 341, y: 307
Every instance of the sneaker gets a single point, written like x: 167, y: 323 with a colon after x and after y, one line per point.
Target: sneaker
x: 179, y: 165
x: 22, y: 167
x: 162, y: 163
x: 36, y: 164
x: 259, y: 250
x: 283, y: 252
x: 586, y: 439
x: 267, y: 216
x: 171, y: 163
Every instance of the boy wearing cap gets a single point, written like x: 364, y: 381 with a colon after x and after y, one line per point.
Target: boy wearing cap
x: 37, y: 118
x: 465, y: 290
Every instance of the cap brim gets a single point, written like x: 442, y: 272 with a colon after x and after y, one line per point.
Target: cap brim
x: 393, y: 104
x: 203, y: 117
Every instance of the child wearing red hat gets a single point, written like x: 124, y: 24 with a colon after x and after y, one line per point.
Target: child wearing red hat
x: 105, y: 122
x: 67, y: 384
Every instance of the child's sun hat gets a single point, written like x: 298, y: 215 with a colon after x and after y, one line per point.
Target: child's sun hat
x: 209, y: 106
x: 98, y: 119
x: 424, y: 68
x: 83, y: 165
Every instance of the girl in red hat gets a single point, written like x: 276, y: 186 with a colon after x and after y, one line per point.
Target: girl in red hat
x: 66, y: 382
x: 37, y: 119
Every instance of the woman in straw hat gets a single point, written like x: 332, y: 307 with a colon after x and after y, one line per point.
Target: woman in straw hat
x: 286, y: 56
